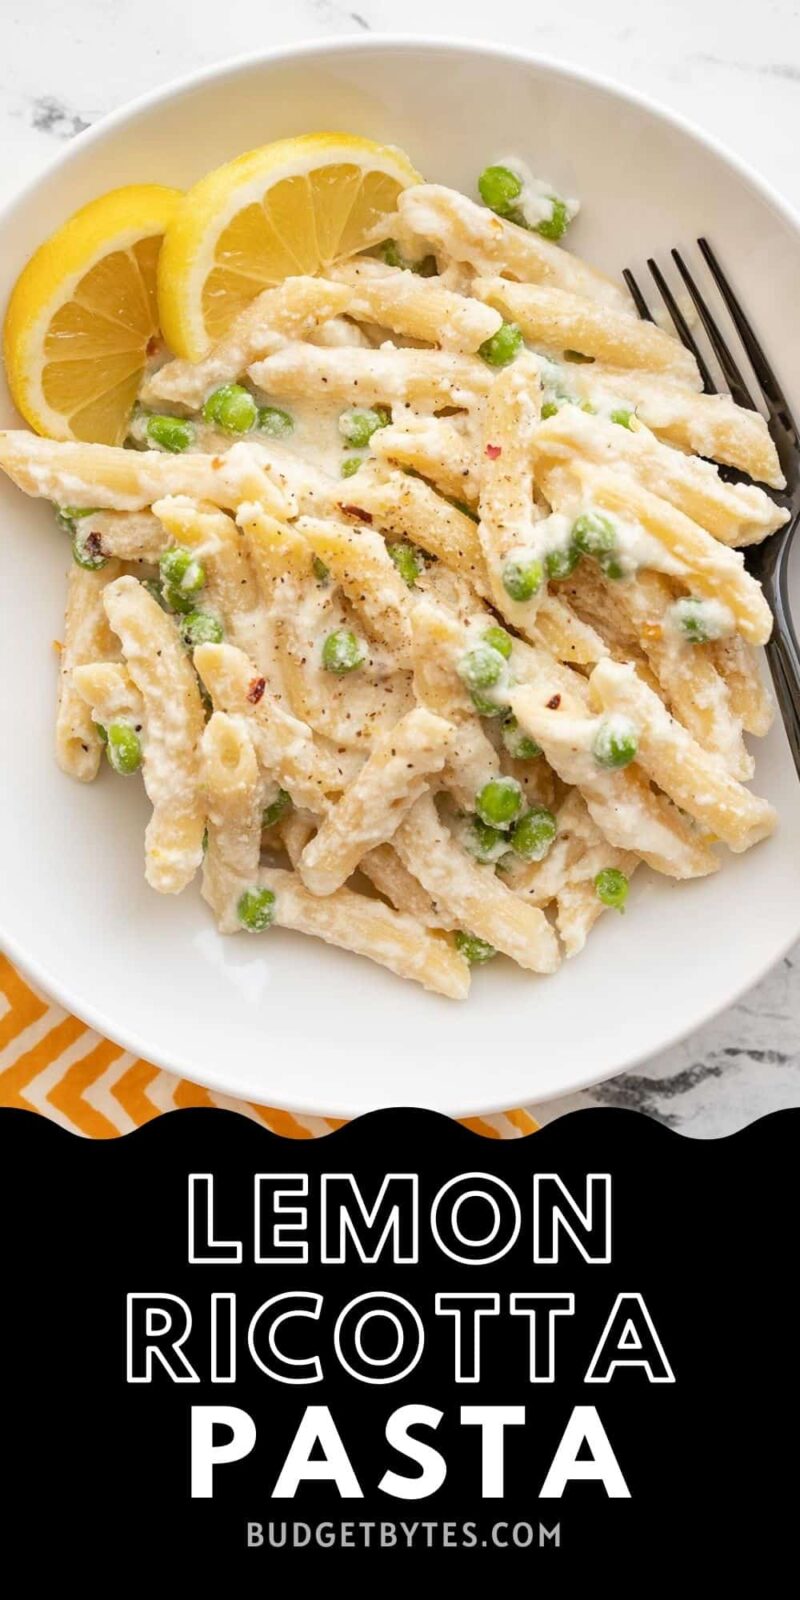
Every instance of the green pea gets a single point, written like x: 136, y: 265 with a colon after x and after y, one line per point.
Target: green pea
x: 533, y: 835
x: 199, y: 627
x: 498, y: 188
x: 256, y: 909
x: 174, y: 599
x: 482, y: 841
x: 611, y: 887
x: 623, y: 416
x: 523, y: 579
x: 155, y: 592
x: 577, y: 357
x: 171, y: 433
x: 499, y: 802
x: 615, y: 744
x: 232, y: 408
x: 389, y: 253
x: 182, y: 573
x: 424, y: 268
x: 277, y: 423
x: 554, y: 226
x: 473, y: 949
x: 319, y: 569
x: 503, y: 347
x: 406, y: 559
x: 358, y: 424
x: 520, y: 746
x: 562, y: 560
x: 691, y: 617
x: 481, y: 667
x: 350, y: 465
x: 87, y: 550
x: 123, y: 748
x: 486, y: 707
x: 101, y: 733
x: 549, y: 409
x: 276, y: 809
x: 341, y: 652
x: 596, y: 536
x: 498, y: 639
x: 67, y: 516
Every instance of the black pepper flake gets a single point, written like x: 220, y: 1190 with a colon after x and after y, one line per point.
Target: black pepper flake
x: 554, y: 703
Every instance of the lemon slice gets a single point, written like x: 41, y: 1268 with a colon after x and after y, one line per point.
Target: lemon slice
x: 290, y: 207
x: 84, y: 312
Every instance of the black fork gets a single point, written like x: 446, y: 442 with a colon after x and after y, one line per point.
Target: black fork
x: 768, y: 561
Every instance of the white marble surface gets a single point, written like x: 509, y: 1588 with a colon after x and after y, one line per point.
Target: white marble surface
x: 733, y: 70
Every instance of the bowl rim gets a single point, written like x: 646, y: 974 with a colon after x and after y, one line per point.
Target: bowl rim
x: 92, y: 1015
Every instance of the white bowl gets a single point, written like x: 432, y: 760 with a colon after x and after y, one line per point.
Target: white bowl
x: 286, y: 1020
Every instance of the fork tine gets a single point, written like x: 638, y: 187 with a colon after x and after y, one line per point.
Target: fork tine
x: 733, y: 377
x: 773, y: 393
x: 637, y: 297
x: 682, y: 328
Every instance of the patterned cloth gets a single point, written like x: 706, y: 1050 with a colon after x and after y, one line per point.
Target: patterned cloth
x: 52, y: 1063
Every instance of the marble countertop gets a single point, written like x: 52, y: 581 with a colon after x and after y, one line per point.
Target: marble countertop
x: 732, y: 70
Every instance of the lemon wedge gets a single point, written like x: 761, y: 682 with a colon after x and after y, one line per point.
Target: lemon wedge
x: 291, y: 207
x: 83, y: 314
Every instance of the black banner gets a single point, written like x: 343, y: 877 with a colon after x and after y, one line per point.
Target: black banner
x: 224, y: 1347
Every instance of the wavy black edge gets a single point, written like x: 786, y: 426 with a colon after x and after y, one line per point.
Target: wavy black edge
x: 209, y: 1117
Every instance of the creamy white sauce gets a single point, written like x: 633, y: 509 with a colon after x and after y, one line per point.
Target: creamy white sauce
x: 537, y: 195
x: 714, y: 619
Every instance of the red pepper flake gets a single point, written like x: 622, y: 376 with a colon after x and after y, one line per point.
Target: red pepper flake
x: 553, y: 705
x: 256, y: 690
x: 356, y: 511
x: 493, y: 451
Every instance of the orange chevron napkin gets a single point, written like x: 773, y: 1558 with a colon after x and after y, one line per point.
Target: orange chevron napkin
x: 52, y: 1063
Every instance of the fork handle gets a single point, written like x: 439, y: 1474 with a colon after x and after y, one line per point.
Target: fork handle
x: 783, y: 653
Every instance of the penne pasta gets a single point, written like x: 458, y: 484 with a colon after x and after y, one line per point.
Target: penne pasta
x: 433, y: 448
x: 417, y: 308
x: 708, y: 425
x: 109, y: 690
x: 695, y: 780
x: 359, y: 563
x: 173, y: 713
x: 87, y: 638
x: 90, y: 475
x: 371, y: 809
x: 736, y: 514
x: 685, y: 674
x: 369, y: 928
x: 472, y: 894
x: 384, y: 869
x: 625, y: 808
x: 373, y: 377
x: 709, y: 568
x: 293, y: 310
x: 234, y: 791
x: 285, y: 746
x: 468, y: 232
x: 561, y: 320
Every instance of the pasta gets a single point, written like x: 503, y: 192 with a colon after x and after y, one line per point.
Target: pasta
x: 422, y: 608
